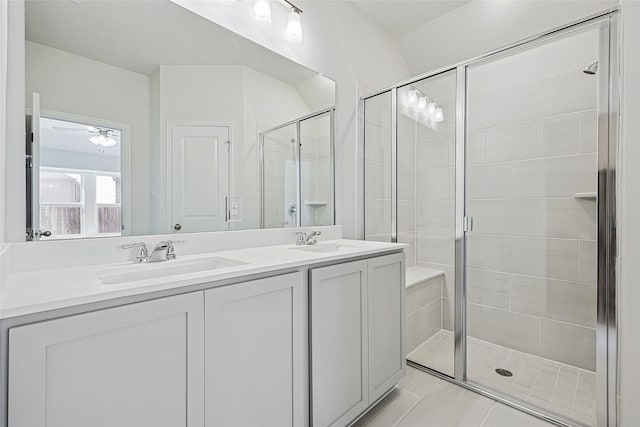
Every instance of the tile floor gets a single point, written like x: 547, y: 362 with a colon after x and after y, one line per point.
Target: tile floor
x: 556, y: 387
x: 423, y: 400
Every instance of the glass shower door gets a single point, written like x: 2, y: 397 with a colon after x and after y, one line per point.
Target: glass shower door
x: 280, y: 207
x: 532, y: 168
x: 426, y: 124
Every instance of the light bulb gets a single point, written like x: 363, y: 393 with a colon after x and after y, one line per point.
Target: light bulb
x: 262, y: 12
x: 431, y: 108
x: 294, y: 26
x: 439, y: 115
x: 422, y: 103
x: 412, y: 96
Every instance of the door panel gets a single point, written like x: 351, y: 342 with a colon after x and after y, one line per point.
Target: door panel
x: 339, y: 343
x: 254, y: 336
x: 386, y: 292
x: 111, y: 367
x: 200, y: 178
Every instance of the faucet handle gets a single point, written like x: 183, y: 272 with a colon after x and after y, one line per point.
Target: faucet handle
x: 300, y: 237
x: 143, y: 253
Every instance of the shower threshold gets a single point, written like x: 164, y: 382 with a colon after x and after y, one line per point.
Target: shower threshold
x: 549, y: 385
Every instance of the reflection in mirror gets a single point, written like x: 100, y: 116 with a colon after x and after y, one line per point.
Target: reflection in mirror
x: 297, y: 172
x: 153, y: 125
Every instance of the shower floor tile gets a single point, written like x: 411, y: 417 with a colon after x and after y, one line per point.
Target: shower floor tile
x: 553, y: 386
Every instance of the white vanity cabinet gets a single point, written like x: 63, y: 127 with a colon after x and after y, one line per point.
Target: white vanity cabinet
x: 357, y: 339
x: 135, y: 365
x: 255, y: 373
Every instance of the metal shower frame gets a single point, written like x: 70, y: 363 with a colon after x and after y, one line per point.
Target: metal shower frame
x: 608, y: 131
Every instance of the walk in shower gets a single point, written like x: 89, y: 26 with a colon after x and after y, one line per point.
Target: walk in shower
x: 297, y: 172
x: 499, y: 174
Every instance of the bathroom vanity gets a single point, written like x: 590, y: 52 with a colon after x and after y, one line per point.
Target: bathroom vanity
x: 269, y: 336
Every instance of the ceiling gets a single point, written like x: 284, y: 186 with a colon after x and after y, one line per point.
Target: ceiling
x: 74, y: 137
x: 402, y: 16
x: 139, y: 35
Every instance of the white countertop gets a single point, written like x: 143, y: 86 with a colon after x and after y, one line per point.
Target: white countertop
x: 38, y: 291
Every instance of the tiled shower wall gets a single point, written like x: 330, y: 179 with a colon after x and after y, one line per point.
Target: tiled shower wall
x: 531, y: 147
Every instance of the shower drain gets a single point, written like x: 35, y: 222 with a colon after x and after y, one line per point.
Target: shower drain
x: 504, y: 372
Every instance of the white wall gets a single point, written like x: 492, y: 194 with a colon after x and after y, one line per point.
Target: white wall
x: 246, y: 99
x: 485, y: 25
x: 628, y: 220
x: 73, y: 84
x: 340, y: 43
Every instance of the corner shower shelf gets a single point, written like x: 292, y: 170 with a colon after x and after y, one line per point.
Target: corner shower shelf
x: 315, y: 203
x: 586, y: 196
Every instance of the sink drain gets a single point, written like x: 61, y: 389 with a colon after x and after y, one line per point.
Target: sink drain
x: 504, y: 372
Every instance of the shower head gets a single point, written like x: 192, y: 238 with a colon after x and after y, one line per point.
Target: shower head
x: 591, y: 69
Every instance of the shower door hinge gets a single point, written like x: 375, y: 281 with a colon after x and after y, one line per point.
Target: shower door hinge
x: 467, y: 224
x: 29, y: 161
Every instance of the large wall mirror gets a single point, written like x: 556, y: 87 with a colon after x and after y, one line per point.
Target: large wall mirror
x: 147, y: 118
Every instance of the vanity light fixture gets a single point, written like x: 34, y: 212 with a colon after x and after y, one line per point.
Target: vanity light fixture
x: 294, y: 25
x: 262, y: 16
x: 422, y: 103
x: 412, y: 96
x: 262, y: 12
x: 431, y: 108
x: 439, y: 115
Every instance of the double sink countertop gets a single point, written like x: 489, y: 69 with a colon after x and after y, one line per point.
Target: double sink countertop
x: 39, y: 291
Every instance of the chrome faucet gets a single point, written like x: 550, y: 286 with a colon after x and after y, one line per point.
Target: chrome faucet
x: 306, y: 238
x: 164, y: 251
x: 143, y: 253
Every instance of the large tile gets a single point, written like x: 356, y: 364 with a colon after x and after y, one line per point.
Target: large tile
x: 587, y: 261
x: 406, y: 184
x: 435, y: 215
x: 574, y: 345
x: 435, y: 248
x: 406, y: 216
x: 569, y: 218
x: 552, y: 258
x: 515, y: 217
x: 435, y: 184
x: 502, y: 327
x: 377, y: 143
x: 553, y: 299
x: 389, y: 410
x: 504, y: 416
x: 377, y: 183
x: 560, y: 135
x: 434, y: 153
x: 442, y: 407
x: 377, y: 217
x: 494, y: 101
x: 490, y: 181
x: 589, y: 131
x: 488, y: 288
x: 406, y: 153
x: 418, y: 382
x: 568, y: 92
x: 423, y: 293
x: 422, y: 324
x: 555, y: 176
x: 476, y: 150
x: 512, y: 142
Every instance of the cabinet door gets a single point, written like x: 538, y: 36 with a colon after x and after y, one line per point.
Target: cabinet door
x: 137, y: 365
x: 386, y: 289
x: 339, y: 343
x: 255, y: 345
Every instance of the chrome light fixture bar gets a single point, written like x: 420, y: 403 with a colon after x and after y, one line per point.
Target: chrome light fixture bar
x: 262, y: 16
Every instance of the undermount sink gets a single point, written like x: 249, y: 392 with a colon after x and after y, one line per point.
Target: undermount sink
x: 326, y: 248
x: 135, y: 272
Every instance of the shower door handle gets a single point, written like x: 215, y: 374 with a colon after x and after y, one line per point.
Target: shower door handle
x: 467, y: 224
